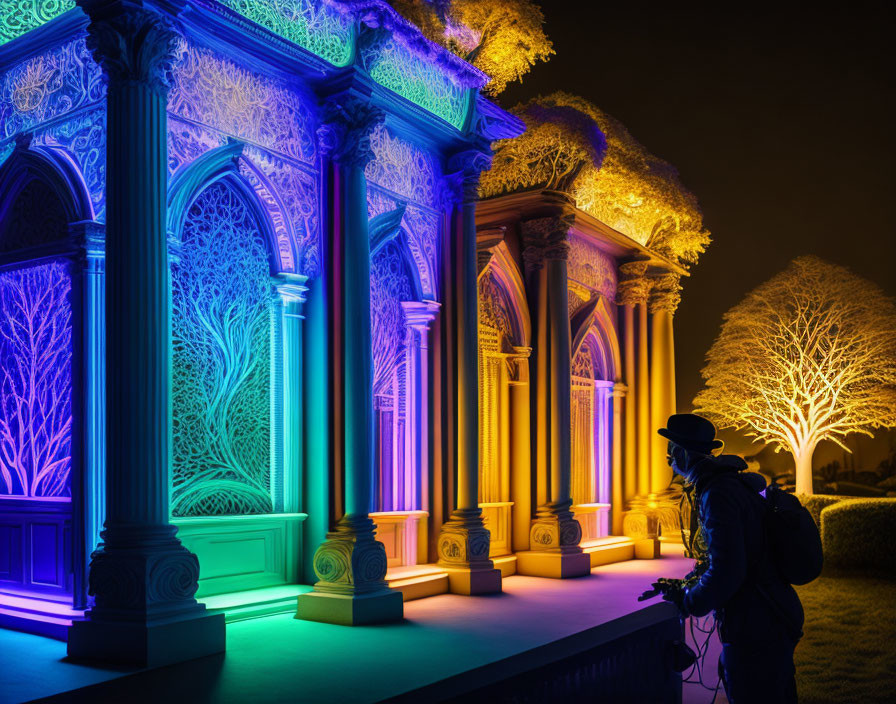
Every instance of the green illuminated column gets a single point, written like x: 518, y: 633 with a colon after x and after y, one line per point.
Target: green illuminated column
x: 141, y: 576
x: 463, y: 543
x: 555, y: 534
x: 351, y: 564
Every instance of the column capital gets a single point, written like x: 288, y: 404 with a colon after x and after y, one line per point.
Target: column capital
x: 291, y: 287
x: 634, y: 286
x: 546, y: 239
x: 619, y: 391
x: 518, y: 366
x: 132, y: 43
x: 348, y: 122
x: 463, y: 173
x: 89, y: 237
x: 419, y: 314
x: 665, y: 293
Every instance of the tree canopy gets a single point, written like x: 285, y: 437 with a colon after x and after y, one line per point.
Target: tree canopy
x: 572, y: 145
x: 502, y: 38
x: 810, y: 355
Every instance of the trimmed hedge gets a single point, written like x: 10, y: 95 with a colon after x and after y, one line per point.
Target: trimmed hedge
x: 858, y: 536
x: 815, y: 503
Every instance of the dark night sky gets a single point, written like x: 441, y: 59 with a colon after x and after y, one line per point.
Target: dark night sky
x: 780, y: 122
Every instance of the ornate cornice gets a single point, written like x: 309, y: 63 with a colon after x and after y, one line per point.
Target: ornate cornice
x: 633, y: 287
x: 348, y: 123
x: 546, y: 239
x: 135, y: 45
x: 665, y: 294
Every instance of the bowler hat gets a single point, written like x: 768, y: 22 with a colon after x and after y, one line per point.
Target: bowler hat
x: 692, y: 432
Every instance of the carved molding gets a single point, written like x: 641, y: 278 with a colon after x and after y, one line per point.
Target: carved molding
x: 665, y: 294
x: 464, y: 540
x: 348, y: 125
x: 136, y: 46
x: 546, y: 239
x: 633, y: 287
x: 351, y: 560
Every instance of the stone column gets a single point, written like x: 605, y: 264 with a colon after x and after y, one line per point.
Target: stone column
x: 520, y: 449
x: 555, y: 534
x: 142, y: 578
x: 418, y: 316
x: 351, y: 564
x: 632, y: 294
x: 291, y: 290
x: 463, y: 544
x: 617, y: 492
x: 664, y: 299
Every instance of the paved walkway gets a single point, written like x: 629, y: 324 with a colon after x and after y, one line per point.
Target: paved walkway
x: 279, y: 658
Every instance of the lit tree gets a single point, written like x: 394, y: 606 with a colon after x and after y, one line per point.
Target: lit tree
x: 808, y: 356
x: 502, y: 38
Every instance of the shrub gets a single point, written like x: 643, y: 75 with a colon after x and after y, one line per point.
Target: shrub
x: 816, y: 502
x: 857, y: 536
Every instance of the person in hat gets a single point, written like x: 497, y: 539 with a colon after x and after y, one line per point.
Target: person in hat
x: 759, y: 614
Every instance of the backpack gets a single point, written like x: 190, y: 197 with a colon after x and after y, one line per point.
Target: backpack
x: 793, y: 539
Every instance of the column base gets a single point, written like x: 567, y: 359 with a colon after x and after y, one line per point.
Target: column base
x: 147, y: 644
x: 384, y: 606
x: 473, y: 581
x: 556, y: 565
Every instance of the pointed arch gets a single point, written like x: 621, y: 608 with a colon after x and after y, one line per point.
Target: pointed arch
x: 229, y: 163
x: 52, y: 173
x: 596, y: 320
x: 510, y: 281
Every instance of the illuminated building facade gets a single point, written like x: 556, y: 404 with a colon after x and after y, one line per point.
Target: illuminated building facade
x: 241, y: 337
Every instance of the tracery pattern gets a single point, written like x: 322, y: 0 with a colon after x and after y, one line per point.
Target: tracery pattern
x: 590, y: 266
x: 20, y: 16
x: 221, y: 295
x: 297, y: 190
x: 402, y: 168
x: 46, y: 86
x: 423, y: 82
x: 84, y: 138
x: 494, y: 310
x: 36, y: 381
x: 35, y: 218
x: 422, y: 227
x: 214, y: 91
x: 583, y: 363
x: 187, y: 142
x: 389, y: 286
x: 312, y: 24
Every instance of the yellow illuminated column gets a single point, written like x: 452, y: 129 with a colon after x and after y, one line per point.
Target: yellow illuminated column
x: 555, y: 534
x: 520, y: 449
x: 664, y: 299
x: 632, y: 294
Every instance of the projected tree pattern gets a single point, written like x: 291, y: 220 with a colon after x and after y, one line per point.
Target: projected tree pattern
x: 221, y: 294
x: 35, y: 388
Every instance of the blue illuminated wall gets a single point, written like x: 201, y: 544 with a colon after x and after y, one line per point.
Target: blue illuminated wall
x: 221, y: 295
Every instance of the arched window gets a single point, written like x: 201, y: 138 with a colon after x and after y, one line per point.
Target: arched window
x: 390, y: 285
x: 222, y: 299
x: 591, y: 434
x: 50, y: 440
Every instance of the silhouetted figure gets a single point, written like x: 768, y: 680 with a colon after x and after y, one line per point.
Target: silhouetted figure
x: 760, y: 615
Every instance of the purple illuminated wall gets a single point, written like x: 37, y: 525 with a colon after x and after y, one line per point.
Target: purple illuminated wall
x: 35, y: 388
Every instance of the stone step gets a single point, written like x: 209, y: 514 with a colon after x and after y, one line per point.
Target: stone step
x: 39, y: 616
x: 418, y: 581
x: 608, y: 550
x: 505, y: 563
x: 255, y: 603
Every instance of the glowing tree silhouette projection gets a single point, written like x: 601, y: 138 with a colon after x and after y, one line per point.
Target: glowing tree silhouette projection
x: 221, y: 294
x: 35, y: 389
x: 808, y: 356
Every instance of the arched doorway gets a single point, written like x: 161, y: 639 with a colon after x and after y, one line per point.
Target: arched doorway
x: 51, y: 442
x: 234, y: 494
x: 504, y: 471
x: 399, y: 329
x: 591, y: 419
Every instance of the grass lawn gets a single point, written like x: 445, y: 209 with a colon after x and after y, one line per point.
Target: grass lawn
x: 848, y: 651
